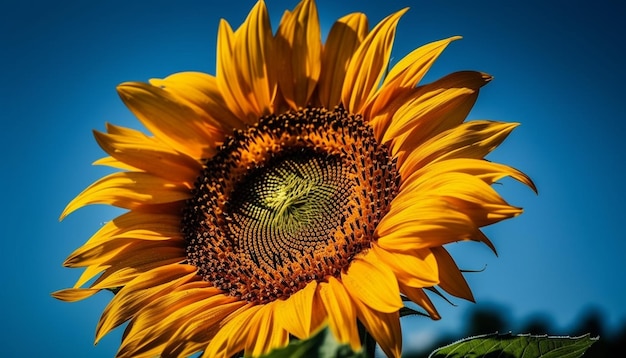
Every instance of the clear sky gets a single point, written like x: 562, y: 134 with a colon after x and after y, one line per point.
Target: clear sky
x: 558, y: 71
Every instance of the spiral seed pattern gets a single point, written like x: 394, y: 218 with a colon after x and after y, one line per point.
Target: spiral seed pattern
x: 289, y: 200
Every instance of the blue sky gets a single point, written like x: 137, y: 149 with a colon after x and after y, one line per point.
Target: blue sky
x: 558, y: 71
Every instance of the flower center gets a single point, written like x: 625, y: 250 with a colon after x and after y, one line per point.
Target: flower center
x: 288, y: 207
x: 292, y: 199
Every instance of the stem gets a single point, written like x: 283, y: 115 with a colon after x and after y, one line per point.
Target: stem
x: 370, y: 346
x: 368, y: 342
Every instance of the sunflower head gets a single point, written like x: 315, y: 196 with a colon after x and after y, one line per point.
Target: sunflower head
x: 303, y: 185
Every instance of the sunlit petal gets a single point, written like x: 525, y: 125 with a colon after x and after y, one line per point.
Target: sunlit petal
x: 299, y: 47
x: 343, y: 39
x: 369, y: 63
x: 304, y: 185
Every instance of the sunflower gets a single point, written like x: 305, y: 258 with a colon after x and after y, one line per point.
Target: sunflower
x: 305, y: 185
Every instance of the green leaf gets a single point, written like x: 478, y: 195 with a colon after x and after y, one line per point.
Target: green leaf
x: 518, y: 346
x: 322, y: 344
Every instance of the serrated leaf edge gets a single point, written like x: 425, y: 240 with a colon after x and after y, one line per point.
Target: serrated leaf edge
x: 510, y: 334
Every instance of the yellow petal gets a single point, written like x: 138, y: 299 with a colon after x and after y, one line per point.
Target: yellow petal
x: 138, y: 226
x: 418, y: 296
x: 295, y: 313
x: 422, y: 215
x: 151, y: 341
x: 96, y: 254
x: 129, y: 190
x: 318, y: 313
x: 74, y: 294
x: 468, y: 194
x: 139, y: 292
x: 245, y: 75
x: 420, y: 110
x: 437, y: 106
x: 124, y: 131
x: 200, y: 91
x: 406, y: 74
x: 412, y: 68
x: 299, y: 46
x: 158, y: 317
x: 227, y: 77
x: 264, y: 334
x: 460, y: 96
x: 136, y: 259
x: 343, y: 39
x: 114, y: 163
x: 148, y: 154
x: 371, y: 281
x: 417, y: 268
x: 474, y: 139
x: 422, y: 222
x: 197, y: 330
x: 381, y: 116
x: 451, y: 278
x: 231, y: 338
x: 132, y: 225
x: 170, y: 120
x: 89, y: 273
x: 487, y: 171
x: 384, y: 327
x: 254, y: 48
x: 341, y: 313
x: 369, y: 63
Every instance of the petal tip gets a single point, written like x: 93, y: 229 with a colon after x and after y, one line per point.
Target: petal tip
x: 127, y: 90
x: 65, y: 212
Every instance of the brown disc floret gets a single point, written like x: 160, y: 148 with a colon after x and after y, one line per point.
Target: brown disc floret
x: 286, y: 201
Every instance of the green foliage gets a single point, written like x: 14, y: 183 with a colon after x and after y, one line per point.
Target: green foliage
x: 322, y: 344
x: 518, y: 346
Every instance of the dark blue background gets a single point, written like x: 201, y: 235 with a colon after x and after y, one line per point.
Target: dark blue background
x: 558, y: 70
